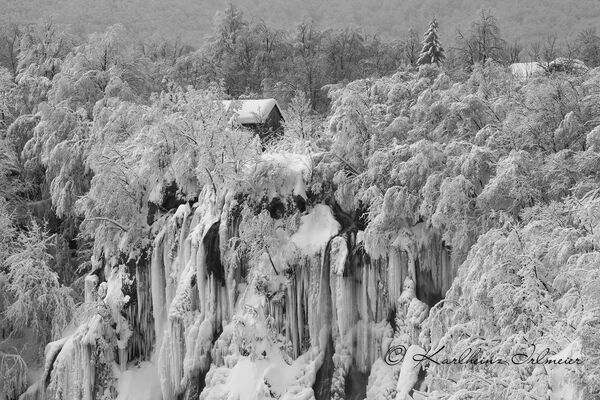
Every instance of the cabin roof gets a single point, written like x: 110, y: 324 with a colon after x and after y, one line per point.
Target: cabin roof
x: 526, y: 69
x: 531, y: 69
x: 251, y: 111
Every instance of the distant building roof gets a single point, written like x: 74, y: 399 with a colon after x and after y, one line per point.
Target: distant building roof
x: 251, y: 111
x: 526, y: 70
x: 561, y: 64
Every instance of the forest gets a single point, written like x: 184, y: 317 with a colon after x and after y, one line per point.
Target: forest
x: 422, y: 196
x: 190, y: 21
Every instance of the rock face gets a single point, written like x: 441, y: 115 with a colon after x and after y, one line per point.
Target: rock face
x: 312, y: 325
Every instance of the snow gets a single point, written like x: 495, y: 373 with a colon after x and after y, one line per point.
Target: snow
x: 265, y: 370
x: 116, y: 301
x: 316, y: 228
x: 94, y: 331
x: 90, y: 284
x: 182, y: 302
x: 139, y: 383
x: 563, y: 377
x: 409, y: 373
x: 50, y: 352
x: 281, y: 174
x: 526, y: 70
x: 252, y: 379
x: 360, y: 237
x: 182, y: 211
x: 254, y: 362
x: 382, y: 381
x: 155, y: 195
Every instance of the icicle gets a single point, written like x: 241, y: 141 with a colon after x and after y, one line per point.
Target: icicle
x: 145, y: 322
x: 198, y: 342
x: 73, y: 371
x: 343, y: 294
x: 371, y: 290
x: 302, y: 306
x: 185, y: 331
x: 158, y: 284
x: 405, y: 241
x: 201, y: 280
x: 337, y: 293
x: 397, y: 273
x: 225, y: 232
x: 447, y: 271
x: 170, y: 360
x: 293, y: 333
x: 312, y: 301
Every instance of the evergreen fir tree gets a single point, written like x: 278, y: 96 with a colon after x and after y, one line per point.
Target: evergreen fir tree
x: 432, y: 51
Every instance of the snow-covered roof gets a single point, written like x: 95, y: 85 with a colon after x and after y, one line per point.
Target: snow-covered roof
x: 526, y: 70
x: 251, y: 111
x: 530, y: 69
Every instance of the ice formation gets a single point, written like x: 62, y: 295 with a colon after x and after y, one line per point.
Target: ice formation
x: 201, y: 326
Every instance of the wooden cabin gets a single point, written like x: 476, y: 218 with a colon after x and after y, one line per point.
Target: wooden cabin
x: 262, y: 116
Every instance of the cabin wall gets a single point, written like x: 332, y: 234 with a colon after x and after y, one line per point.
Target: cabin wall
x: 270, y: 128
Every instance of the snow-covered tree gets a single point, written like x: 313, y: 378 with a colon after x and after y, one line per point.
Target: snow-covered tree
x: 13, y: 371
x: 8, y: 166
x: 432, y: 51
x: 300, y: 126
x: 37, y: 300
x: 483, y: 41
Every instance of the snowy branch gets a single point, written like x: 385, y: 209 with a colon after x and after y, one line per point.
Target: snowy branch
x: 111, y: 221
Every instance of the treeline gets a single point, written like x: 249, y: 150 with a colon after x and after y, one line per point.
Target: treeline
x: 251, y: 58
x: 192, y: 20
